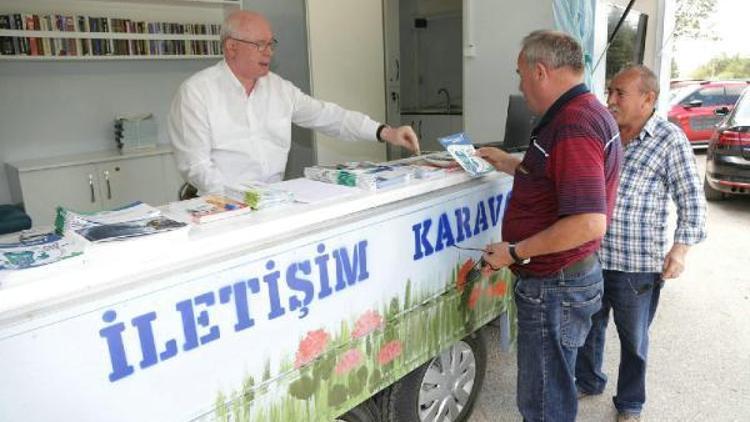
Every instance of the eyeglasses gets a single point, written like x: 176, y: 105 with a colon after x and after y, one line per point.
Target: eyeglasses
x: 262, y: 46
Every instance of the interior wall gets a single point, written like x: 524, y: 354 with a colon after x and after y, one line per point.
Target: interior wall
x: 346, y: 53
x: 57, y: 108
x: 490, y: 70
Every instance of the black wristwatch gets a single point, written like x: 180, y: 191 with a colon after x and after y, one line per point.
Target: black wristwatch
x: 377, y: 132
x: 517, y: 259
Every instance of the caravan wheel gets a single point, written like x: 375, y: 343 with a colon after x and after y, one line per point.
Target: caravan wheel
x: 444, y: 389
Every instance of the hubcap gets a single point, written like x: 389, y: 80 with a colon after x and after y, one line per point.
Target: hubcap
x: 447, y: 384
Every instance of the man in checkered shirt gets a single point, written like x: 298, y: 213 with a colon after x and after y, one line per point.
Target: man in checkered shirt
x: 658, y: 165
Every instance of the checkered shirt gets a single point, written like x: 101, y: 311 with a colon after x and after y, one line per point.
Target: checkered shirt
x: 658, y: 164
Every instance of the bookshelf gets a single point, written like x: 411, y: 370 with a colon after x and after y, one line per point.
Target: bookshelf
x: 50, y: 30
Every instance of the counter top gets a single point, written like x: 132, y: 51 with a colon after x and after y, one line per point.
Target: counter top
x: 103, y: 269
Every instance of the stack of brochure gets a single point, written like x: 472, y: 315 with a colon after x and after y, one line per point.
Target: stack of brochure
x: 364, y: 175
x: 204, y: 209
x: 258, y: 196
x: 133, y: 220
x: 27, y: 250
x: 460, y: 147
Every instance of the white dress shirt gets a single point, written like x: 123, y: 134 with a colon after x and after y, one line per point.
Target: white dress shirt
x: 222, y: 136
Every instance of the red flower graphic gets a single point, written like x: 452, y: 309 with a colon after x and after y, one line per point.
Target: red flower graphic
x: 462, y: 273
x: 311, y: 347
x: 348, y: 361
x: 389, y: 351
x: 367, y: 323
x: 498, y: 289
x: 476, y: 292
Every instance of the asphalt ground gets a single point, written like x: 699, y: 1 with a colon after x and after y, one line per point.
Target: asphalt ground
x: 699, y: 359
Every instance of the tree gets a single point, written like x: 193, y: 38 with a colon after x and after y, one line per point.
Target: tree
x: 691, y: 17
x: 724, y: 67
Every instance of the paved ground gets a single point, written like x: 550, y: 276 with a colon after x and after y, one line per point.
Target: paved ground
x: 699, y: 365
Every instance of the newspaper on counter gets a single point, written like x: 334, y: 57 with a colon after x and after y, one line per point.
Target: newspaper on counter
x: 461, y: 148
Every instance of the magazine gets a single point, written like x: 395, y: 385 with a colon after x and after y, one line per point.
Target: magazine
x: 364, y: 175
x: 461, y: 148
x: 258, y: 195
x: 133, y: 220
x: 32, y: 250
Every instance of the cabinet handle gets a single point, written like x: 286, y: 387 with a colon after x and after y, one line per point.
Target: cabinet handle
x: 91, y: 186
x: 398, y: 70
x: 109, y: 186
x: 419, y: 131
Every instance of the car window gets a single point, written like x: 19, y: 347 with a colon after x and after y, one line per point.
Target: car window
x: 676, y: 95
x: 742, y: 111
x: 709, y: 96
x: 733, y: 93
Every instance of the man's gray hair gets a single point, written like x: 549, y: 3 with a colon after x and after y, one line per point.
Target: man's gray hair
x: 553, y: 49
x: 649, y: 82
x: 228, y: 27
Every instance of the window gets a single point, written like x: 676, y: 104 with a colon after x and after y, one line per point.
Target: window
x: 629, y: 43
x: 733, y: 93
x: 709, y: 96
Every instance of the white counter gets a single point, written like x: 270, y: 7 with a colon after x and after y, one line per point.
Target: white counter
x: 124, y: 265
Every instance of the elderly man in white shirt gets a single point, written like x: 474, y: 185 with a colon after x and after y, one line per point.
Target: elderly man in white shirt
x: 231, y: 122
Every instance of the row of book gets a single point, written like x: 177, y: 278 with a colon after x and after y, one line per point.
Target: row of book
x: 71, y: 46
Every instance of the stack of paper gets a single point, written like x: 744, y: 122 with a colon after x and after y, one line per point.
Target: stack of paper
x: 258, y: 195
x: 23, y: 251
x: 364, y: 175
x: 204, y: 209
x: 133, y: 220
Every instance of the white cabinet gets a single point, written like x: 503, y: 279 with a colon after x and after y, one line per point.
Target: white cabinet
x: 111, y: 29
x: 93, y: 182
x: 429, y: 127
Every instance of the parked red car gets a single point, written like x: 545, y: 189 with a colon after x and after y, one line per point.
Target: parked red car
x: 693, y: 106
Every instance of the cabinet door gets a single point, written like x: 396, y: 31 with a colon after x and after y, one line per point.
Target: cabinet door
x: 74, y: 187
x: 133, y: 179
x: 435, y: 126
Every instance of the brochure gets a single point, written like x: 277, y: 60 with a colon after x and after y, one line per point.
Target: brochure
x: 258, y: 196
x: 204, y: 209
x: 461, y: 148
x: 25, y: 251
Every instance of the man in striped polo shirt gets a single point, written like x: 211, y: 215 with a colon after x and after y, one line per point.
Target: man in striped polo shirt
x: 658, y: 164
x: 564, y: 191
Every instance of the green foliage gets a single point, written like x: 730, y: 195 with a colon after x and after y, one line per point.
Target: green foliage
x: 691, y: 17
x: 323, y: 367
x: 303, y: 388
x: 337, y: 396
x: 357, y: 380
x: 724, y: 67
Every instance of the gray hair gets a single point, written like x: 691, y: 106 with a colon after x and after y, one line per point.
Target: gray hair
x: 649, y: 82
x: 228, y: 27
x: 553, y: 49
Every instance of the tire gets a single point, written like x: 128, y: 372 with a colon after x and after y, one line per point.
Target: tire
x: 711, y: 193
x: 443, y: 389
x: 365, y: 412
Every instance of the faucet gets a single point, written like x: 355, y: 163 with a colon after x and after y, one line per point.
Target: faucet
x: 447, y: 99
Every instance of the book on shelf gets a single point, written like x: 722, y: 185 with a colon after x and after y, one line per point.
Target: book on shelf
x: 74, y: 45
x: 207, y: 208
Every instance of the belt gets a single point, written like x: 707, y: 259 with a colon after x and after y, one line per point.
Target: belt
x: 579, y: 267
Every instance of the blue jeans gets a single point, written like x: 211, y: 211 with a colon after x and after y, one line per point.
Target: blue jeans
x: 554, y: 317
x: 633, y: 298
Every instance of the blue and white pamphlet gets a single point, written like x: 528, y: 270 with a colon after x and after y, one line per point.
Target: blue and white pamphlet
x: 460, y: 147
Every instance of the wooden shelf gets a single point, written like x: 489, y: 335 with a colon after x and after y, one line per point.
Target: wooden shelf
x: 107, y: 35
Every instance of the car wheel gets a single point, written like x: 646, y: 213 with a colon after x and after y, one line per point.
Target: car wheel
x: 711, y: 193
x: 443, y: 389
x: 365, y: 412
